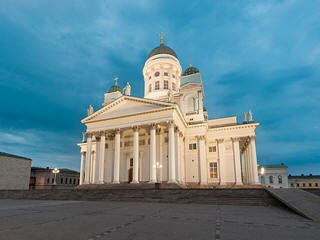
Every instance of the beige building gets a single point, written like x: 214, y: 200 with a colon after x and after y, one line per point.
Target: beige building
x: 14, y: 172
x: 166, y: 136
x: 304, y: 181
x: 44, y: 178
x: 274, y: 175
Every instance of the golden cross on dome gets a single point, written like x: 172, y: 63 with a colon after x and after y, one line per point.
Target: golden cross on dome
x: 161, y: 37
x: 190, y: 62
x: 116, y: 81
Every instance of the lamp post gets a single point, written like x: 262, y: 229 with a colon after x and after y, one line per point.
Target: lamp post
x: 158, y: 166
x: 55, y: 171
x: 262, y: 175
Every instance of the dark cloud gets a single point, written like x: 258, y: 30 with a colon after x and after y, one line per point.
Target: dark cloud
x: 57, y: 58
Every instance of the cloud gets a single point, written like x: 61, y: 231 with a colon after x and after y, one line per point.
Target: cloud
x: 57, y: 58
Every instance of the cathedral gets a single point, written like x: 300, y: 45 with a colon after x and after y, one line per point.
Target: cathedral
x: 166, y: 136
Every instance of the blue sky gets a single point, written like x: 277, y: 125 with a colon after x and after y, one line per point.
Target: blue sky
x: 57, y: 57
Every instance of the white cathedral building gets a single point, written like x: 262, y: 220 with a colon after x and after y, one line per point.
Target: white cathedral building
x: 166, y: 136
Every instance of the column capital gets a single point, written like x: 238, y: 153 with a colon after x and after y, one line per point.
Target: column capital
x: 153, y: 126
x: 235, y: 139
x: 135, y: 128
x: 220, y: 140
x: 102, y: 133
x: 159, y: 130
x: 117, y: 131
x: 200, y: 137
x: 252, y: 137
x: 180, y: 134
x: 171, y: 123
x: 89, y: 134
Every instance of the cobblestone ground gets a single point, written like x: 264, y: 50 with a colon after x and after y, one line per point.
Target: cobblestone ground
x: 36, y: 219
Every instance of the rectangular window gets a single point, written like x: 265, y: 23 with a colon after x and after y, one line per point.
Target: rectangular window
x: 303, y: 184
x: 173, y: 86
x: 52, y: 180
x: 310, y: 184
x: 192, y: 146
x: 212, y: 149
x: 66, y: 181
x: 213, y: 170
x: 165, y: 74
x: 316, y: 184
x: 157, y: 85
x: 298, y: 185
x: 131, y: 162
x: 165, y: 85
x: 291, y: 184
x: 150, y: 87
x: 61, y: 180
x: 106, y: 145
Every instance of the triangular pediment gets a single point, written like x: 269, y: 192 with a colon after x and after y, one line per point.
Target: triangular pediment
x: 126, y: 106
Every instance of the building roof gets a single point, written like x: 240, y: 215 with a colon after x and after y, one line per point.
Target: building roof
x: 194, y: 78
x: 274, y: 166
x: 115, y: 88
x: 310, y: 176
x: 162, y: 49
x: 14, y: 156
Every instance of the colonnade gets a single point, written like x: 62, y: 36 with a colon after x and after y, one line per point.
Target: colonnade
x: 89, y: 159
x: 249, y: 162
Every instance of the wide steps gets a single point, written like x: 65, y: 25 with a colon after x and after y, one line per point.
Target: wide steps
x: 199, y: 196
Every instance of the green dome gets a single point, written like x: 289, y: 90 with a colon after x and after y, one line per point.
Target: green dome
x: 190, y: 70
x: 162, y: 49
x: 115, y: 88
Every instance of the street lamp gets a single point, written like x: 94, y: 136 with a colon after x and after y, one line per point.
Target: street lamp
x: 158, y: 166
x: 55, y: 171
x: 262, y: 175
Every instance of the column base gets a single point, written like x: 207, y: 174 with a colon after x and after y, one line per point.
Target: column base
x: 134, y: 182
x: 239, y: 183
x: 223, y: 183
x: 100, y: 182
x: 115, y: 182
x: 152, y: 181
x: 172, y: 181
x: 85, y: 182
x: 203, y: 183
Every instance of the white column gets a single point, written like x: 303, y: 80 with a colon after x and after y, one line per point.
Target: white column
x: 116, y: 165
x: 221, y: 161
x: 178, y: 155
x: 102, y: 157
x: 94, y: 165
x: 159, y: 154
x: 203, y: 161
x: 152, y: 174
x: 182, y: 160
x: 82, y: 168
x: 172, y: 164
x: 135, y: 177
x: 255, y: 178
x: 237, y: 164
x: 243, y: 167
x: 88, y: 160
x: 248, y: 164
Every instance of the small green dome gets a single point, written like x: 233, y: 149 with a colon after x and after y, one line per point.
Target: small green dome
x: 115, y: 88
x: 162, y: 49
x: 190, y: 70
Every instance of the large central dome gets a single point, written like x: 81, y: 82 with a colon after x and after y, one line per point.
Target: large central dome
x: 162, y: 49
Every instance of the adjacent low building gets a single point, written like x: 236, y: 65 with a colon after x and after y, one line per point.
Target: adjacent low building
x: 44, y: 178
x: 274, y: 175
x: 14, y: 172
x: 304, y: 181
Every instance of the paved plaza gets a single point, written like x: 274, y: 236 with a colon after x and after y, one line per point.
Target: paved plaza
x: 43, y: 219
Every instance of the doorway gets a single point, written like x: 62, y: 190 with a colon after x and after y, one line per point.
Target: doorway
x: 131, y: 170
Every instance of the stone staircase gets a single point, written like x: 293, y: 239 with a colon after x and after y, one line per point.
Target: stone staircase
x: 249, y: 197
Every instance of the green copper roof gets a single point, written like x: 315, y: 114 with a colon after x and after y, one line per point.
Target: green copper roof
x: 162, y: 49
x: 115, y: 88
x: 190, y: 70
x: 193, y: 78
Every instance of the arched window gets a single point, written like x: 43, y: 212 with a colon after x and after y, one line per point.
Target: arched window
x: 165, y: 84
x: 157, y: 74
x: 190, y: 104
x: 157, y: 85
x: 173, y: 86
x: 271, y: 179
x: 279, y: 179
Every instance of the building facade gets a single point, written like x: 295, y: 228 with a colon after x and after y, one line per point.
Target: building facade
x: 304, y: 181
x: 275, y: 175
x: 14, y: 172
x: 166, y: 136
x: 44, y: 178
